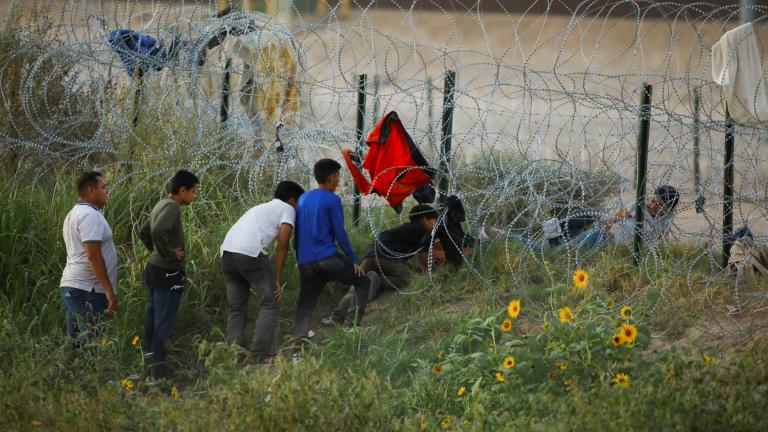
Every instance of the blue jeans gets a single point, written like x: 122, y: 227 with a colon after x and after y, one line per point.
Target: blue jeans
x: 591, y: 238
x: 84, y: 308
x: 162, y: 306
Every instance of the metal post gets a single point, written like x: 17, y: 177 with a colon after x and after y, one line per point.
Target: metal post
x: 225, y: 90
x: 447, y: 131
x: 728, y: 188
x: 747, y: 11
x: 696, y: 132
x: 642, y: 166
x: 361, y: 84
x: 137, y: 95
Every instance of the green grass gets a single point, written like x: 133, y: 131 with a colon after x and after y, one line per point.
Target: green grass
x: 377, y: 378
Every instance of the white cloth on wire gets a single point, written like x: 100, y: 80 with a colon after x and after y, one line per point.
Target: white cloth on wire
x: 737, y: 66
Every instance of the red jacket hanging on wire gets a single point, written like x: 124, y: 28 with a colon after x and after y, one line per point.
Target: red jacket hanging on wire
x: 394, y: 163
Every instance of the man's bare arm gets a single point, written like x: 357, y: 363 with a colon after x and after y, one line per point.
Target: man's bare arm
x: 283, y: 238
x: 93, y: 250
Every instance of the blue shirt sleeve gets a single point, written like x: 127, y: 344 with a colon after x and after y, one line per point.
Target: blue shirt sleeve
x: 337, y: 226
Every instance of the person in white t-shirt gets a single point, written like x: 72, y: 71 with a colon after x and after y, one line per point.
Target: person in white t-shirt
x: 657, y: 217
x: 89, y: 280
x: 247, y: 268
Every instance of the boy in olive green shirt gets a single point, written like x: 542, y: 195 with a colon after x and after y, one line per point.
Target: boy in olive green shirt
x: 163, y: 234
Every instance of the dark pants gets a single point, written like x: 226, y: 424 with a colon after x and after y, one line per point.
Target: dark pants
x: 162, y: 307
x: 84, y: 309
x: 392, y: 275
x: 242, y: 274
x: 314, y: 276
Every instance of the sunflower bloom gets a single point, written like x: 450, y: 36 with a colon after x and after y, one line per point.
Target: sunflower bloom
x: 618, y: 339
x: 561, y: 365
x: 437, y: 369
x: 500, y: 377
x: 630, y: 333
x: 423, y: 424
x: 626, y: 312
x: 446, y: 422
x: 461, y: 391
x: 566, y: 315
x: 506, y: 325
x: 580, y: 279
x: 622, y: 380
x: 175, y: 393
x: 135, y: 341
x: 127, y: 384
x: 707, y: 359
x: 513, y: 309
x: 509, y: 362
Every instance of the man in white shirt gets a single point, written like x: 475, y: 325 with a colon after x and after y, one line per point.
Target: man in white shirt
x: 246, y: 266
x: 89, y: 280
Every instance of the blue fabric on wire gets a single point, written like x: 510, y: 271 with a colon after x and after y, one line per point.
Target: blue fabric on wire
x: 137, y: 50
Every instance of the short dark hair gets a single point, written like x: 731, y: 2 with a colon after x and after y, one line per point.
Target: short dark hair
x: 422, y: 211
x: 182, y: 178
x: 86, y: 180
x: 669, y: 196
x: 324, y: 168
x: 287, y: 189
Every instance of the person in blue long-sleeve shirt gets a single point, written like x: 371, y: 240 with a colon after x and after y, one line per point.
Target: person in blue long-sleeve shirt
x: 319, y: 229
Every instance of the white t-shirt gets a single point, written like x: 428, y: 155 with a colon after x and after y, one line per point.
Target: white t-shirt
x: 84, y: 224
x: 258, y: 228
x: 654, y: 228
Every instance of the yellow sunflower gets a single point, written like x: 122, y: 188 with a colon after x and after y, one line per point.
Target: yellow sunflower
x: 175, y: 395
x: 566, y: 315
x: 461, y: 391
x: 446, y: 422
x: 506, y: 325
x: 580, y: 279
x: 617, y: 339
x: 707, y: 359
x: 513, y: 309
x: 622, y: 380
x: 135, y: 341
x: 561, y: 365
x: 626, y: 312
x: 423, y: 423
x: 127, y: 384
x: 630, y: 333
x: 509, y: 362
x: 437, y: 369
x: 500, y: 377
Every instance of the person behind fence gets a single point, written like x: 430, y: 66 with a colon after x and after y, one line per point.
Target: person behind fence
x: 319, y: 228
x: 246, y: 266
x: 89, y: 281
x: 393, y: 258
x: 657, y: 217
x: 164, y: 274
x: 580, y: 227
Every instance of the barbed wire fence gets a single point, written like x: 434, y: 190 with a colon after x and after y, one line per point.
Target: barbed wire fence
x: 545, y: 110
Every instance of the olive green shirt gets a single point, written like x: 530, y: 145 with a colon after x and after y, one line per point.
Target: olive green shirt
x: 162, y: 233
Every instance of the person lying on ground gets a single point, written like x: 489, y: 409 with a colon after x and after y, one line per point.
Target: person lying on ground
x: 319, y: 228
x: 620, y: 229
x: 657, y: 218
x: 246, y: 266
x: 393, y: 258
x: 89, y: 281
x: 164, y: 274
